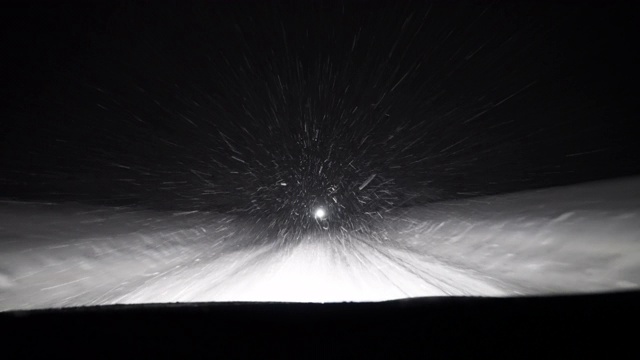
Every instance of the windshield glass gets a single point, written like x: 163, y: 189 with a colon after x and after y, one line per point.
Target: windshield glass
x: 312, y: 151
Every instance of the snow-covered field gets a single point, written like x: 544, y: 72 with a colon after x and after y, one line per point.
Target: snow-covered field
x: 581, y: 238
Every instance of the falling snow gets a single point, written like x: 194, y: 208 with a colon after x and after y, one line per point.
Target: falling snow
x: 210, y: 139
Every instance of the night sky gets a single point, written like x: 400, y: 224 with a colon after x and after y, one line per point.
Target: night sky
x: 268, y: 110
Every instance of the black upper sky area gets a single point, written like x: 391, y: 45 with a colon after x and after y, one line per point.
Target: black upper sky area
x: 268, y: 108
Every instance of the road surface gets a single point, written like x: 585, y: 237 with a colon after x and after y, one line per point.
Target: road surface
x: 573, y: 239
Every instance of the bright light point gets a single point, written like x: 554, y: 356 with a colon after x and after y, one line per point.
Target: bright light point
x: 320, y: 213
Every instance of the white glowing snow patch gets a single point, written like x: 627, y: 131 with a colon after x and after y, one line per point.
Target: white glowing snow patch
x: 314, y: 272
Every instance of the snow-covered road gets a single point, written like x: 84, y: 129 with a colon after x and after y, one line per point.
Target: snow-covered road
x: 580, y: 238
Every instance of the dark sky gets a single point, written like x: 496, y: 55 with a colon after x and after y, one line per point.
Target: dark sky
x: 268, y: 108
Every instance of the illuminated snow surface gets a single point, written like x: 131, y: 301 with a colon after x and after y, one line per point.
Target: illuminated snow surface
x: 582, y: 238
